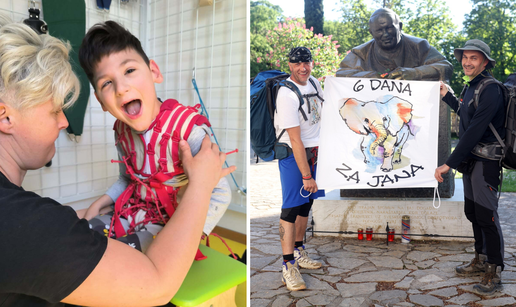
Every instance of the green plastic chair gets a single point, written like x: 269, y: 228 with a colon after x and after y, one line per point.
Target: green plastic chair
x: 209, y: 278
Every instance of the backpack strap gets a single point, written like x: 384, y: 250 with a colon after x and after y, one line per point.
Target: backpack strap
x: 294, y: 88
x: 476, y: 97
x: 316, y: 91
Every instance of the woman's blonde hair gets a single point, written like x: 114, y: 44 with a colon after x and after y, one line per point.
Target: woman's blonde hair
x: 34, y: 68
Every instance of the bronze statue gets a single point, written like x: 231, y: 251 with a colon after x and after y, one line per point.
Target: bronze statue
x: 392, y: 54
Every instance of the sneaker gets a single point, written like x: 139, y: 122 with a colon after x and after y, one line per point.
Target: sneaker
x: 474, y: 267
x: 303, y: 260
x: 292, y: 277
x: 492, y: 280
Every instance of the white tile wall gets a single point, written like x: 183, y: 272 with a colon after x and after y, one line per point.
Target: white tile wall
x: 178, y: 36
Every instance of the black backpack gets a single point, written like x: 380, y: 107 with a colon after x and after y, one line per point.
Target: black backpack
x: 264, y: 90
x: 508, y: 153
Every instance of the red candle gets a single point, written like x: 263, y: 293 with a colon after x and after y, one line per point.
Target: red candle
x: 360, y: 234
x: 390, y: 237
x: 369, y: 233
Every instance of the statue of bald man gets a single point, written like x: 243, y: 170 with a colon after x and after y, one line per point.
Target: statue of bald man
x: 391, y: 54
x: 394, y: 53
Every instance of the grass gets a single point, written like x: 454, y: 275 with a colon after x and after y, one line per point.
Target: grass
x: 509, y: 179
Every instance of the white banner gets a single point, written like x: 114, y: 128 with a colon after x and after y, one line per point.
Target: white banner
x: 378, y: 133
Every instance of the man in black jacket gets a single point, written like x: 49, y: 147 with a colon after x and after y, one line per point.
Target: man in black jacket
x: 481, y: 174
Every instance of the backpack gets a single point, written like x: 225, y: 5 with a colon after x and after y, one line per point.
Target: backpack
x: 507, y: 155
x: 264, y: 90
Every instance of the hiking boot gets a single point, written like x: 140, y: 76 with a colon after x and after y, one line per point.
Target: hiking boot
x: 474, y: 267
x: 492, y: 280
x: 292, y: 277
x: 303, y: 260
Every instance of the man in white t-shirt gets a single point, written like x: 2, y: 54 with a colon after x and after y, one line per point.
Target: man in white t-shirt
x: 297, y: 171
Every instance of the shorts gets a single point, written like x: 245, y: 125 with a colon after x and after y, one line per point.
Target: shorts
x: 292, y: 182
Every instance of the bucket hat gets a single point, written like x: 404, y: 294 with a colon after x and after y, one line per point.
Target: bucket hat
x: 477, y: 45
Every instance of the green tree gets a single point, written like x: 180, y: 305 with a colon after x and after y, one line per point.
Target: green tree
x: 354, y: 28
x: 293, y: 33
x: 493, y: 21
x: 338, y: 31
x: 314, y: 15
x: 264, y: 17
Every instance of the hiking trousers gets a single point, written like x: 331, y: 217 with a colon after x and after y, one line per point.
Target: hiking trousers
x: 481, y: 209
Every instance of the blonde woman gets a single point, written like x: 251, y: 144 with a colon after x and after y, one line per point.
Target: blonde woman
x: 50, y: 257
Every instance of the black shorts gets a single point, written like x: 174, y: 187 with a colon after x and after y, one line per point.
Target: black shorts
x: 290, y: 214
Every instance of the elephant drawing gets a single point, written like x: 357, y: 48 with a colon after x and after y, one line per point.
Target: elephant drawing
x: 385, y: 126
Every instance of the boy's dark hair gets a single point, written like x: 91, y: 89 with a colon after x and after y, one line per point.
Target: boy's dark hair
x: 103, y: 39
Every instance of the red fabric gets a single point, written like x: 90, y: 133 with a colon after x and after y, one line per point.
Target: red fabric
x: 165, y: 198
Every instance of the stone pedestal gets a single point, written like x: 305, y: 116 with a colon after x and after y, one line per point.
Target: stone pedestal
x: 336, y: 213
x: 446, y: 189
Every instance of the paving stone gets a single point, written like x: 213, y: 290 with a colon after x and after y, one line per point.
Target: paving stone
x: 405, y: 283
x: 343, y: 254
x: 395, y: 253
x: 411, y: 267
x: 260, y: 302
x: 447, y: 266
x: 345, y: 263
x: 430, y: 278
x: 425, y: 264
x: 386, y: 262
x: 275, y: 267
x: 271, y: 249
x: 352, y: 302
x: 259, y: 263
x: 363, y: 249
x: 336, y: 302
x: 304, y: 293
x: 446, y: 292
x: 338, y: 272
x: 459, y: 257
x: 319, y: 299
x: 349, y: 290
x: 266, y: 281
x: 426, y: 300
x: 421, y: 256
x: 464, y: 299
x: 263, y: 241
x: 332, y: 279
x: 313, y: 283
x: 508, y: 276
x: 308, y: 271
x: 502, y: 301
x: 387, y: 276
x: 303, y: 303
x: 447, y: 283
x: 414, y: 291
x: 509, y: 289
x: 282, y: 301
x: 367, y: 267
x: 424, y: 247
x: 388, y: 297
x: 403, y: 304
x: 335, y: 246
x: 269, y: 293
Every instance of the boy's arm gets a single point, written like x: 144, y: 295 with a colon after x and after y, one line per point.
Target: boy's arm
x: 221, y: 194
x: 126, y: 277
